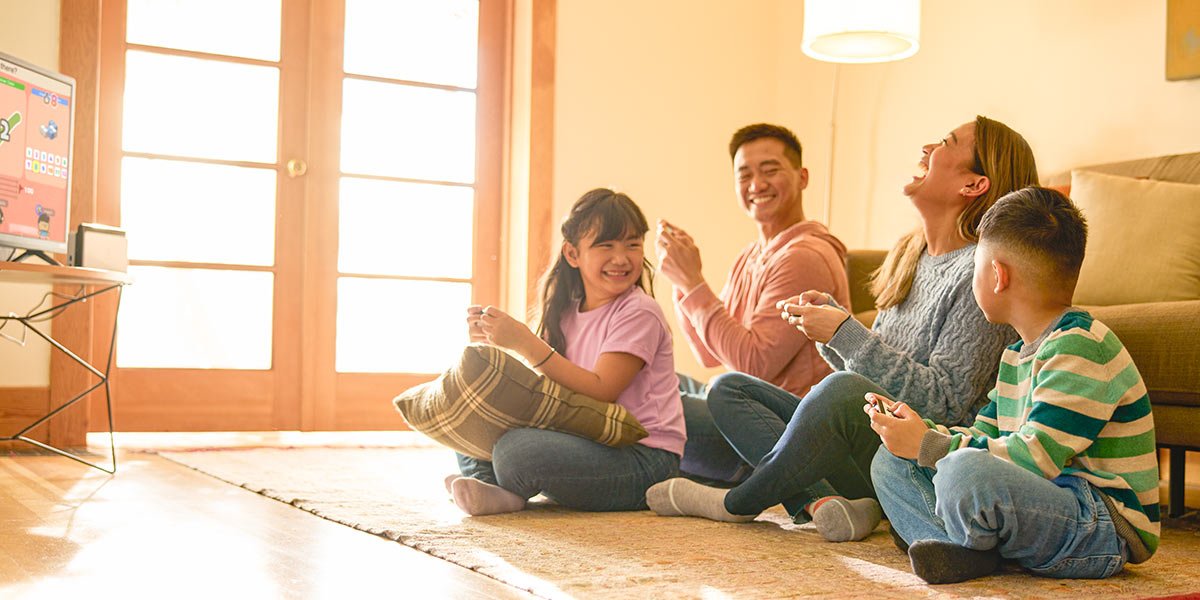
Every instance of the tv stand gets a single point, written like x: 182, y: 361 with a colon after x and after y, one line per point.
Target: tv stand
x: 37, y: 254
x: 96, y: 282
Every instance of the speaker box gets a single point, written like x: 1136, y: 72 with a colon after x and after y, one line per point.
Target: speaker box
x: 98, y: 247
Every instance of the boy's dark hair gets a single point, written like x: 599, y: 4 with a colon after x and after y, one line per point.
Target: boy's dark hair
x: 749, y: 133
x: 1041, y: 225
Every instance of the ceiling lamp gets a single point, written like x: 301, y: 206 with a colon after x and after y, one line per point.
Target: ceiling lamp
x: 861, y: 31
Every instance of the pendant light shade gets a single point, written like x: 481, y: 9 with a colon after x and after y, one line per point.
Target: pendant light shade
x: 861, y: 31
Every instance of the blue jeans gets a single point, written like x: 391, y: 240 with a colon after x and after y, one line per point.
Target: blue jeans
x: 572, y: 471
x: 707, y: 454
x: 1054, y: 528
x: 802, y: 449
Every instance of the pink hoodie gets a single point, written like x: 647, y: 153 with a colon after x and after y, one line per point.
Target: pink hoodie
x: 742, y: 329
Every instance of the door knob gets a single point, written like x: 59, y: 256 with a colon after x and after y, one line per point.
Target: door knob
x: 296, y: 168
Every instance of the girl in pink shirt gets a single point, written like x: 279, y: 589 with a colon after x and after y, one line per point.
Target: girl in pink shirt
x: 602, y: 335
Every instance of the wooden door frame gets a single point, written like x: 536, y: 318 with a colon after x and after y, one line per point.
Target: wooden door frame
x: 332, y: 400
x: 86, y: 25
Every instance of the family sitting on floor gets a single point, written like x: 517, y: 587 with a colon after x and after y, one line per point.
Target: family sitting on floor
x: 982, y: 413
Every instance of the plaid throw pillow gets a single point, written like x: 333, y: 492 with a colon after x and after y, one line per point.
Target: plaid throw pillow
x: 489, y: 392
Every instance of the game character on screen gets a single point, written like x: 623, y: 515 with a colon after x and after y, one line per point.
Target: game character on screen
x: 43, y: 223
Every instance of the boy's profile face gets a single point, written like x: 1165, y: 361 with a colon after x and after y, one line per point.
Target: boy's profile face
x: 985, y: 282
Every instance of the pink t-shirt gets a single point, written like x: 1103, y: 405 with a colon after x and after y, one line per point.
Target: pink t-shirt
x: 634, y: 324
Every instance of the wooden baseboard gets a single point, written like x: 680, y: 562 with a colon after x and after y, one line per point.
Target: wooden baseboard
x: 20, y: 406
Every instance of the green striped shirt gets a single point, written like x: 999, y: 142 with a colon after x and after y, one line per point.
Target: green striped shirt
x: 1076, y: 405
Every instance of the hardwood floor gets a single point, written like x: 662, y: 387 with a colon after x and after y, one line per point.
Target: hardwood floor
x: 158, y: 529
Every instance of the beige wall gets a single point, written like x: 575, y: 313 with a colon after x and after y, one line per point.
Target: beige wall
x: 647, y: 94
x: 35, y: 40
x: 1082, y: 80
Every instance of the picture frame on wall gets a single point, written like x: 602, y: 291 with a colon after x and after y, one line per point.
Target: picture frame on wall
x: 1183, y: 39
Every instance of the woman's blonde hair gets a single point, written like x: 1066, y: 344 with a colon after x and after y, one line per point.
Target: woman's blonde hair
x: 1001, y: 155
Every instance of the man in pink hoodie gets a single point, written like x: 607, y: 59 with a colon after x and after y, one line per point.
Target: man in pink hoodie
x: 741, y: 328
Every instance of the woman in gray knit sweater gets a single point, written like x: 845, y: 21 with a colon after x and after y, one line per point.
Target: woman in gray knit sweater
x: 930, y: 347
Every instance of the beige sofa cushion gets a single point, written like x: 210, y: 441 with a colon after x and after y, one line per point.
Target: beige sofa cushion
x: 489, y: 392
x: 1143, y: 239
x: 1161, y: 337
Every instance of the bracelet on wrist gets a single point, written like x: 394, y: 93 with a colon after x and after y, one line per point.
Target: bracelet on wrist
x: 543, y: 361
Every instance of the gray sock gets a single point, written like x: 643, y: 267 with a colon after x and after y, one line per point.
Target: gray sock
x: 681, y: 497
x: 841, y: 520
x: 477, y: 498
x: 944, y: 562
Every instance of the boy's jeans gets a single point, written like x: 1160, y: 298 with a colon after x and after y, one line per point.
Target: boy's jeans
x: 1055, y: 528
x: 572, y: 471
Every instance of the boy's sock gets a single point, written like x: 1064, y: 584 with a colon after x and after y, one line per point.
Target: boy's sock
x: 477, y: 498
x: 681, y: 497
x: 449, y: 480
x: 896, y: 539
x: 841, y: 520
x: 944, y: 562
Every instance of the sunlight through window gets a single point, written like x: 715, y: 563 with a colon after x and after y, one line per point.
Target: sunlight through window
x: 390, y: 326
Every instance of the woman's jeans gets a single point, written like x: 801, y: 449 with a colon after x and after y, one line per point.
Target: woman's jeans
x: 1055, y: 528
x: 800, y: 447
x: 572, y: 471
x: 707, y: 455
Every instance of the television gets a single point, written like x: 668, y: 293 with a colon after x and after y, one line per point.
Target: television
x: 37, y: 113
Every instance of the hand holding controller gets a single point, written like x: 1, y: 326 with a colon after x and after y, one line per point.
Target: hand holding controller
x: 877, y: 403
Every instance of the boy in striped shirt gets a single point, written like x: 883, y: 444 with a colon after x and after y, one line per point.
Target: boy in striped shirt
x: 1059, y: 471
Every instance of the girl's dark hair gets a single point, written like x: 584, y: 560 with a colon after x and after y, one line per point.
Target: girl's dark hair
x: 607, y: 215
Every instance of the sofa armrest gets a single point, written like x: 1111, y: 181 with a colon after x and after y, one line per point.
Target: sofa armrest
x: 1164, y: 340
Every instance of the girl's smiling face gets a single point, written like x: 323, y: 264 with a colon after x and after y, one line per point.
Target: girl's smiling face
x: 608, y: 268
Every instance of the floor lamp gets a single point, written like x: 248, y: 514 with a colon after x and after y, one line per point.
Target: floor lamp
x: 857, y: 31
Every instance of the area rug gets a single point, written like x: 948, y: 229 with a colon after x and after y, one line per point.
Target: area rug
x: 553, y: 552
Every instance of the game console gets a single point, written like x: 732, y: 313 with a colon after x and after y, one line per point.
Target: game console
x: 98, y: 246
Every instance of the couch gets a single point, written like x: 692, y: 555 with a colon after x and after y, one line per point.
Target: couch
x: 1141, y: 277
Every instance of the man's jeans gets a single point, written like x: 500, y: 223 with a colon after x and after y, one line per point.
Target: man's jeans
x: 1054, y: 528
x: 802, y: 449
x: 707, y: 455
x: 572, y: 471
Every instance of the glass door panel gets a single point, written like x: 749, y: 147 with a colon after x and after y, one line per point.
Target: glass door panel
x: 196, y: 318
x: 246, y: 28
x: 307, y: 208
x: 414, y: 40
x: 400, y: 228
x: 407, y: 131
x: 396, y: 326
x: 198, y: 186
x: 182, y: 106
x: 211, y: 214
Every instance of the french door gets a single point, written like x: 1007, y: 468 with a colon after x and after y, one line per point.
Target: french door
x: 311, y: 193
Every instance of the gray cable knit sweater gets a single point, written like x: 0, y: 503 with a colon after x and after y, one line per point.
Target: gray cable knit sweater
x: 935, y: 351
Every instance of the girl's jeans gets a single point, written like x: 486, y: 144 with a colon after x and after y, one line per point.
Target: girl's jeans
x: 572, y: 471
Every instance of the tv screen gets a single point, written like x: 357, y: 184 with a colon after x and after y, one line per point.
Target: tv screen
x: 36, y: 115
